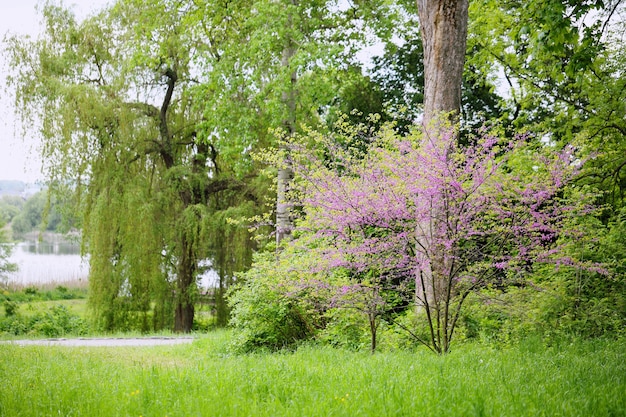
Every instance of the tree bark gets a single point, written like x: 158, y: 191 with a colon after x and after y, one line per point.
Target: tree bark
x: 443, y: 26
x: 284, y: 219
x: 185, y: 299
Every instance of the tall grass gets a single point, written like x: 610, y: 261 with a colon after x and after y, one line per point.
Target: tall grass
x: 202, y: 379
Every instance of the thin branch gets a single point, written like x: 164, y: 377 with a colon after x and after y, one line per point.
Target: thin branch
x: 413, y: 335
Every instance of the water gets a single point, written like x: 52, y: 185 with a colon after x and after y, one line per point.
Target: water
x: 60, y: 262
x: 48, y: 262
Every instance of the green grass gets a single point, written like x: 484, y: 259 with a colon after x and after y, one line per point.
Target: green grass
x: 32, y: 300
x: 31, y: 308
x: 40, y: 292
x: 203, y: 379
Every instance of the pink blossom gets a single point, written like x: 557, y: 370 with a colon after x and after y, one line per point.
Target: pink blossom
x: 391, y: 209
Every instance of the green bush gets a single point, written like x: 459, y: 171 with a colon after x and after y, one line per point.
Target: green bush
x: 561, y: 302
x: 267, y: 311
x: 10, y: 307
x: 56, y: 321
x: 13, y: 326
x: 33, y: 291
x: 551, y: 310
x: 203, y: 322
x: 346, y: 328
x: 497, y: 316
x: 267, y: 318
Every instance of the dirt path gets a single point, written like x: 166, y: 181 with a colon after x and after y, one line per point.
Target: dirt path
x: 112, y: 342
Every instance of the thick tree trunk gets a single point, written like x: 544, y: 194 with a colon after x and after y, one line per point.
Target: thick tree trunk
x: 185, y: 297
x: 183, y: 319
x: 443, y: 25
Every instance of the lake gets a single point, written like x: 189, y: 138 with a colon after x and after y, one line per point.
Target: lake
x: 59, y: 261
x: 48, y: 262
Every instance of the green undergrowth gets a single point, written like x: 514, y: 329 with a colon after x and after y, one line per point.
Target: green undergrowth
x: 49, y: 292
x: 203, y: 379
x: 76, y: 307
x: 43, y: 312
x: 38, y: 312
x: 55, y: 320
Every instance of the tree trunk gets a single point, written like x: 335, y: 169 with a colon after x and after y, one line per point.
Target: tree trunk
x: 284, y: 219
x: 443, y: 25
x: 185, y: 297
x: 183, y: 319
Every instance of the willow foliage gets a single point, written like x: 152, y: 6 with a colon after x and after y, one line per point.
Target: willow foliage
x: 112, y: 98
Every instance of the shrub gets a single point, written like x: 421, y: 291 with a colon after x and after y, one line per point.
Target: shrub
x: 56, y: 321
x: 13, y: 326
x: 346, y: 328
x: 10, y: 307
x: 33, y: 291
x: 266, y: 308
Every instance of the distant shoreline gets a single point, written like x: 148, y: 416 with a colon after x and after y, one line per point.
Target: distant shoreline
x: 50, y: 237
x: 51, y: 259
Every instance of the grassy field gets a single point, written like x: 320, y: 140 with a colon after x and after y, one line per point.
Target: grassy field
x: 203, y: 379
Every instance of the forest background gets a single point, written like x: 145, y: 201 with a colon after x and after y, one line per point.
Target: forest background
x: 186, y: 135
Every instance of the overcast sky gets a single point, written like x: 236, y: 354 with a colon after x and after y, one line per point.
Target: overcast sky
x: 19, y: 158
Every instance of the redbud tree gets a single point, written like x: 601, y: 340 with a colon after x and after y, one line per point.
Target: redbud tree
x: 440, y: 219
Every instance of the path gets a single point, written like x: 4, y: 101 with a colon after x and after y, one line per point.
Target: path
x: 111, y: 342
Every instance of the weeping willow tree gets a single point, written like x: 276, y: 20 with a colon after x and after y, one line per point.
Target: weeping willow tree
x: 113, y: 99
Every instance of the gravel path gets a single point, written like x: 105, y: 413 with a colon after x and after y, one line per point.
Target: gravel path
x: 112, y: 342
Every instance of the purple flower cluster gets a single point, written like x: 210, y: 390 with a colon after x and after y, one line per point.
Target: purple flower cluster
x: 410, y: 203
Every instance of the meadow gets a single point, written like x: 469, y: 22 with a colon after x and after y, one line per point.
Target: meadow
x: 584, y: 378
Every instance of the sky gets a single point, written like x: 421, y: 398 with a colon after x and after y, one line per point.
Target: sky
x: 19, y: 156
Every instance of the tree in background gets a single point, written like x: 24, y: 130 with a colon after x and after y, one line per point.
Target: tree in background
x: 288, y: 63
x: 44, y: 211
x: 6, y: 248
x: 562, y: 64
x: 113, y: 95
x: 10, y: 206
